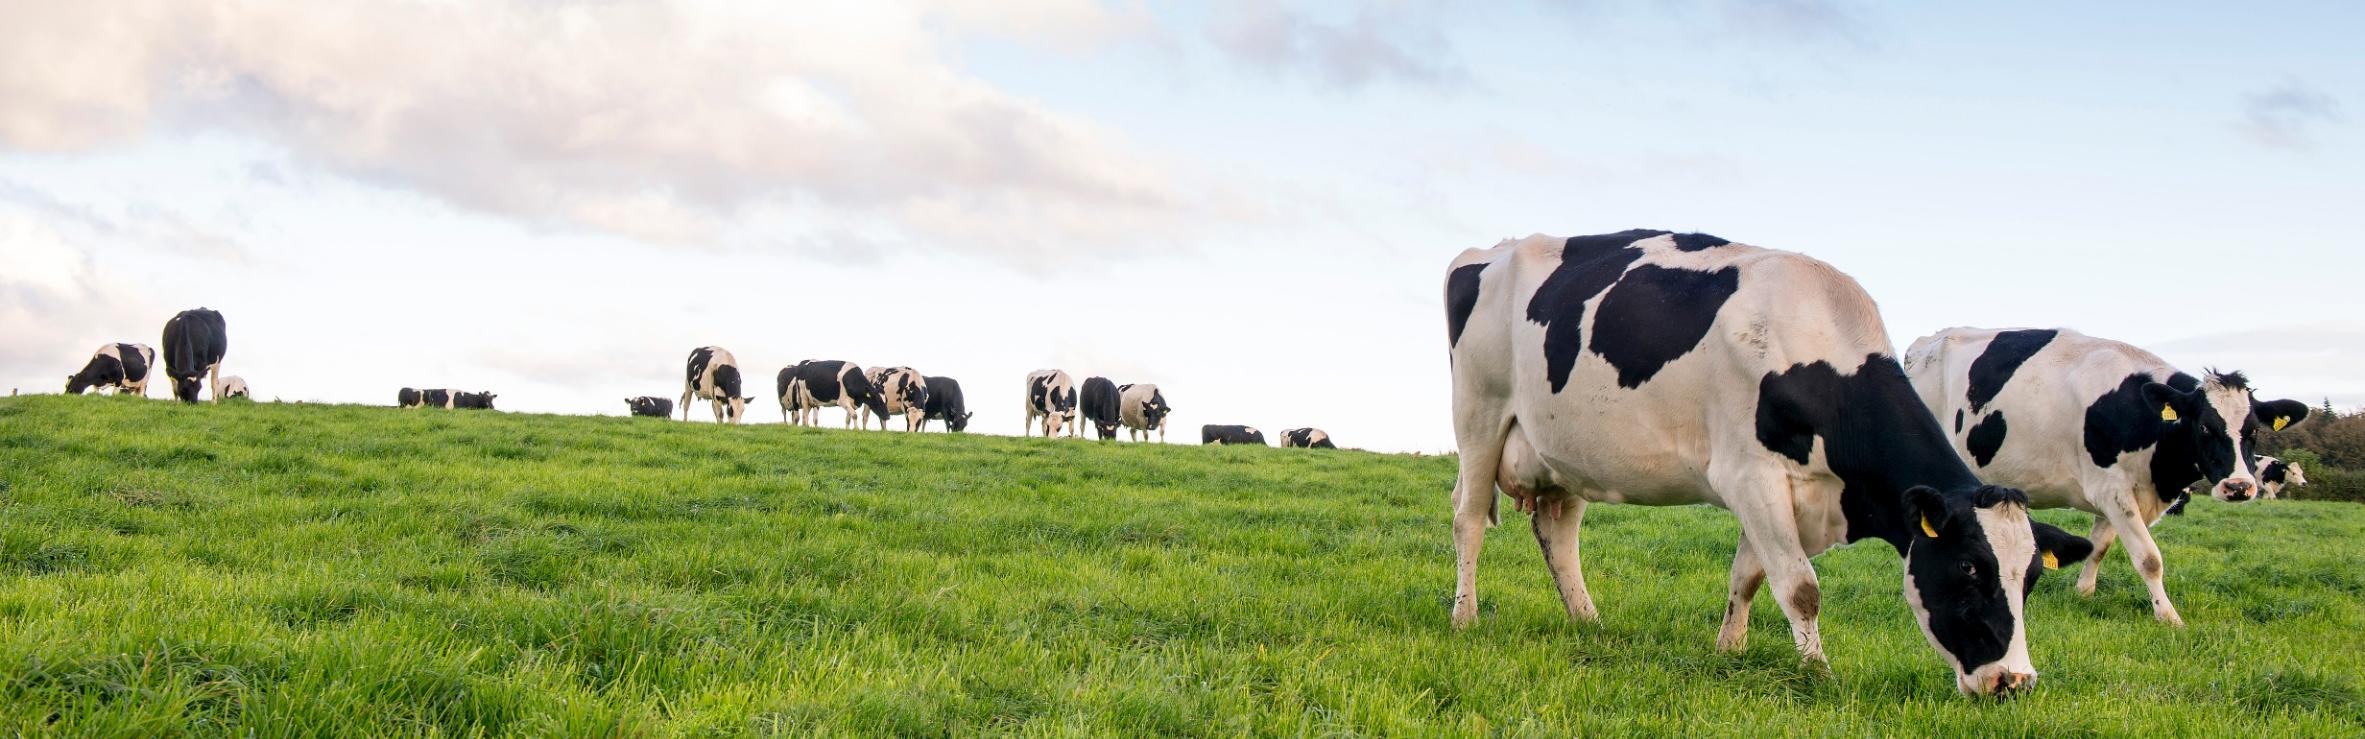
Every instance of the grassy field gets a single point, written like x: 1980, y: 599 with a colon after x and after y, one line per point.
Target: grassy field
x: 304, y: 569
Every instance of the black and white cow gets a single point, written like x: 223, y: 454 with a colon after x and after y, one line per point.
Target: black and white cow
x: 1051, y: 396
x: 123, y: 368
x: 650, y: 406
x: 194, y: 342
x: 2274, y: 475
x: 1143, y: 410
x: 1656, y: 368
x: 2097, y: 425
x: 235, y: 387
x: 1230, y: 434
x: 1306, y: 438
x: 410, y: 397
x: 714, y: 376
x: 1098, y: 402
x: 473, y: 401
x: 946, y: 404
x: 902, y: 391
x: 811, y: 385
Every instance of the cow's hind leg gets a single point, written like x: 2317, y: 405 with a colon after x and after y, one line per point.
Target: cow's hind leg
x: 1742, y: 590
x: 2102, y: 537
x: 1480, y: 432
x: 2142, y: 551
x: 1758, y: 491
x: 685, y: 404
x: 1555, y: 524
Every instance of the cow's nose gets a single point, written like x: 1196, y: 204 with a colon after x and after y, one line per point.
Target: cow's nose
x: 2008, y: 683
x: 2237, y: 490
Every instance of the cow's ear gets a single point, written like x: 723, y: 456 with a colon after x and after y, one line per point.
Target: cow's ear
x: 1925, y: 511
x: 2057, y: 547
x: 2280, y: 414
x: 2167, y: 400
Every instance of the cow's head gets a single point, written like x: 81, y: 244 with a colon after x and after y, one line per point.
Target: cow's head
x: 1107, y: 429
x: 2218, y: 421
x: 1154, y: 412
x: 1973, y: 559
x: 958, y: 421
x: 186, y: 388
x: 738, y: 407
x: 75, y: 385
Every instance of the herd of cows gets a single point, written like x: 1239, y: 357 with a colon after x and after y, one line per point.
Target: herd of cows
x: 1663, y: 368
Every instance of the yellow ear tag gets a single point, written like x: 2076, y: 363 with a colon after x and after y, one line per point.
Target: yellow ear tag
x: 2052, y: 562
x: 2282, y: 421
x: 2167, y: 413
x: 1926, y: 528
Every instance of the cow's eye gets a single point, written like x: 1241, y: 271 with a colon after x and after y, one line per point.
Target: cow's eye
x: 1969, y: 570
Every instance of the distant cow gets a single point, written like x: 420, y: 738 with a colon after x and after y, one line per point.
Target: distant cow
x: 473, y: 401
x: 1306, y: 438
x: 902, y: 391
x: 428, y: 398
x: 653, y: 407
x: 2274, y: 475
x: 1051, y: 396
x: 234, y: 387
x: 410, y: 397
x: 194, y: 343
x: 714, y: 375
x: 811, y: 385
x: 123, y: 368
x: 946, y: 404
x: 2097, y: 425
x: 1142, y: 409
x: 1098, y: 403
x: 1219, y: 434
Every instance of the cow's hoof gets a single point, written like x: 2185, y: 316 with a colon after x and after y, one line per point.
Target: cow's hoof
x: 2169, y: 617
x: 2086, y: 588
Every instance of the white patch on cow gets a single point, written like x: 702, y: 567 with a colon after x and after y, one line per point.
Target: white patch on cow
x: 2007, y: 529
x: 2233, y: 405
x: 234, y: 387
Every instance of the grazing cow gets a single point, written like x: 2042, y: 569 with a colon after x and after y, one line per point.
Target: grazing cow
x: 1306, y: 438
x: 2096, y: 425
x: 1221, y: 434
x: 1656, y: 368
x: 234, y: 387
x: 808, y: 386
x: 473, y: 401
x: 1143, y: 409
x: 654, y: 407
x: 410, y: 397
x: 946, y: 404
x: 1051, y: 396
x: 2274, y: 475
x: 123, y: 368
x: 1098, y: 403
x: 714, y: 375
x: 901, y: 391
x: 194, y: 342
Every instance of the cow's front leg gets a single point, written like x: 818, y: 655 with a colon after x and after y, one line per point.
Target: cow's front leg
x: 1741, y: 591
x: 1759, y: 493
x: 1555, y: 526
x: 2102, y: 537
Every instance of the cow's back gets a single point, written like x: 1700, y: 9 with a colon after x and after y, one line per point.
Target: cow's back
x: 2014, y: 401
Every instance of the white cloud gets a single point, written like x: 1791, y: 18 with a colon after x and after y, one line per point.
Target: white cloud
x: 2286, y: 115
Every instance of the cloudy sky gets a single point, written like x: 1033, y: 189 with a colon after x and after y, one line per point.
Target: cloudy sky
x: 1249, y: 202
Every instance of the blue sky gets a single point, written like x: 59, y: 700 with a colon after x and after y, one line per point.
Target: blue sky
x: 1249, y: 203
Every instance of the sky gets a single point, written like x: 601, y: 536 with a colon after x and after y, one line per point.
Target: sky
x: 1248, y: 202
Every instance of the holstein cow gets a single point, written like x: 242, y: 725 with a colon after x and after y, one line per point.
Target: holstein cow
x: 902, y: 391
x: 1656, y: 368
x: 946, y: 404
x: 1306, y: 438
x: 808, y: 386
x: 1143, y: 409
x: 1051, y: 396
x: 2274, y: 475
x: 410, y: 397
x: 123, y: 368
x: 474, y: 401
x: 194, y: 342
x: 714, y: 375
x: 650, y: 406
x: 2096, y: 425
x: 1099, y: 403
x: 234, y: 387
x: 1222, y: 434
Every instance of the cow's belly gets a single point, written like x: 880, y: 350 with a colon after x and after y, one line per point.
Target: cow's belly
x: 1593, y: 454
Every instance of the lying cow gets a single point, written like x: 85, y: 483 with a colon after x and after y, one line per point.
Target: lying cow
x: 1222, y: 434
x: 946, y: 404
x: 194, y: 342
x: 1099, y: 402
x: 234, y: 387
x: 714, y: 375
x: 649, y: 406
x: 1142, y: 409
x: 122, y: 368
x: 2096, y: 425
x: 902, y: 392
x: 1767, y: 387
x: 1051, y: 396
x: 2274, y: 475
x: 1306, y: 438
x: 811, y: 385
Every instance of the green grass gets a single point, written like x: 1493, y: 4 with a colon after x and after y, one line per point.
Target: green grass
x: 305, y: 569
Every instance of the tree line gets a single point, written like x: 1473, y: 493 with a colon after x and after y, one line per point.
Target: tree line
x: 2330, y: 446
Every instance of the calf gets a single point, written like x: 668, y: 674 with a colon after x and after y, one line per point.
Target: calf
x: 2097, y: 425
x: 1221, y: 434
x: 714, y: 375
x: 945, y: 404
x: 808, y: 386
x: 1142, y: 409
x: 1099, y: 403
x: 1306, y: 438
x: 2274, y: 475
x: 194, y: 342
x: 234, y: 387
x: 1656, y: 368
x: 123, y: 368
x: 653, y: 407
x: 1051, y: 396
x: 901, y: 391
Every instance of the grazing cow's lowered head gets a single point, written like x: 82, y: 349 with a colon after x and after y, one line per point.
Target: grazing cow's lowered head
x: 1981, y: 555
x: 2217, y: 422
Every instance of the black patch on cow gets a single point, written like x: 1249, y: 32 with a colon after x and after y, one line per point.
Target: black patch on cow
x: 101, y: 371
x: 2121, y: 421
x: 195, y: 341
x: 2004, y: 355
x: 1697, y: 242
x: 821, y: 378
x: 135, y: 364
x: 473, y: 401
x: 1230, y: 434
x: 436, y: 398
x: 1102, y: 406
x: 1657, y: 314
x: 1958, y: 420
x: 1986, y: 438
x: 859, y: 389
x: 1877, y: 437
x: 1588, y: 265
x: 946, y: 404
x: 1461, y: 297
x: 407, y: 397
x: 699, y: 358
x: 2276, y: 471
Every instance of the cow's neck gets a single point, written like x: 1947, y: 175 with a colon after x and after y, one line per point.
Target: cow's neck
x: 2175, y: 462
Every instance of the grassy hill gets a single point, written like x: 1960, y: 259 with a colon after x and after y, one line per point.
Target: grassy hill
x: 301, y: 569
